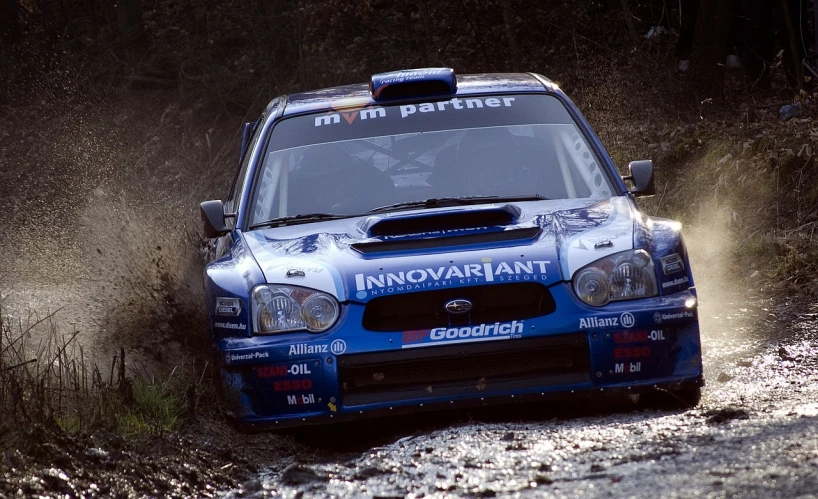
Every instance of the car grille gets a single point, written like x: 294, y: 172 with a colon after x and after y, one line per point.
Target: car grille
x: 464, y: 369
x: 425, y: 310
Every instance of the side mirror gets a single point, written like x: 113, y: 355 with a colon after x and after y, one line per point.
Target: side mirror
x: 214, y: 219
x: 642, y: 178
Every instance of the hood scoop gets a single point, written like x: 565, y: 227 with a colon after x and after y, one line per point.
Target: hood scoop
x: 444, y: 223
x: 444, y: 230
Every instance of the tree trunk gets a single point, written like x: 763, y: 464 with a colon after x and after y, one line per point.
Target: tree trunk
x: 9, y: 22
x: 512, y: 42
x: 629, y: 20
x: 711, y: 46
x: 792, y: 47
x: 129, y: 21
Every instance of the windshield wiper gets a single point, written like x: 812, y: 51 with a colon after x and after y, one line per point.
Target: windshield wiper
x: 299, y: 219
x: 455, y: 201
x: 426, y: 203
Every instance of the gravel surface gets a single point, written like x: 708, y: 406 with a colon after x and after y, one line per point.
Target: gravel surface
x: 753, y: 435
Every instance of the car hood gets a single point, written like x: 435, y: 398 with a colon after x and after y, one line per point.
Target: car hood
x: 408, y: 251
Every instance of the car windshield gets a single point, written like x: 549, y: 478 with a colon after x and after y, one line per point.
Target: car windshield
x: 351, y: 161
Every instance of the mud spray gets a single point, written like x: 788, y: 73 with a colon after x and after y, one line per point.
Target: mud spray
x: 99, y: 196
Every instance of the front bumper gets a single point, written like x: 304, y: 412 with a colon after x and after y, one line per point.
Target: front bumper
x: 346, y: 373
x: 562, y: 396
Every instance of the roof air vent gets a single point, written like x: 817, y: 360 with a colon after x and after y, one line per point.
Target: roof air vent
x: 413, y: 83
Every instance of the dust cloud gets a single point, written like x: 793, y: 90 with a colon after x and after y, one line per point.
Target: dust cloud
x: 729, y: 311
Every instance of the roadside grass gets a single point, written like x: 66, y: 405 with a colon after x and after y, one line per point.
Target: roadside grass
x: 156, y: 406
x: 46, y: 379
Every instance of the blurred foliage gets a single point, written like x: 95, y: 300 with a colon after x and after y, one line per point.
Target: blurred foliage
x: 238, y: 48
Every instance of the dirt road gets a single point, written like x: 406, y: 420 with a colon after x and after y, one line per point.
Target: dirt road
x: 754, y: 434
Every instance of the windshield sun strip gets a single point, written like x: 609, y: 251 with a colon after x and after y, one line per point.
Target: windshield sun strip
x: 410, y: 161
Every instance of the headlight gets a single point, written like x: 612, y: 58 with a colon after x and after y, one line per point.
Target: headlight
x: 623, y: 276
x: 278, y: 309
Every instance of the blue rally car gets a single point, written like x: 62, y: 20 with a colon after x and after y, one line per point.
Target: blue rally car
x: 436, y: 240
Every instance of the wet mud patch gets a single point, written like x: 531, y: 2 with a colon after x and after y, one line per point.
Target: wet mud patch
x: 52, y: 463
x: 48, y: 462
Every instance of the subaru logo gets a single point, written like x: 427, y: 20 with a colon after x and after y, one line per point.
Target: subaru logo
x: 459, y: 306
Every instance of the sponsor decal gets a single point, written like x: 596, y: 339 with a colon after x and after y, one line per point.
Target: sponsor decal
x: 229, y: 325
x: 625, y: 320
x: 639, y: 336
x: 282, y: 370
x: 598, y: 322
x: 294, y: 385
x: 455, y: 104
x: 627, y: 367
x: 350, y: 115
x: 375, y: 112
x: 304, y: 348
x: 481, y: 332
x: 449, y: 275
x: 229, y: 307
x: 413, y: 75
x: 675, y: 282
x: 337, y: 347
x: 233, y: 357
x: 631, y: 352
x: 305, y: 399
x: 672, y: 264
x: 658, y: 317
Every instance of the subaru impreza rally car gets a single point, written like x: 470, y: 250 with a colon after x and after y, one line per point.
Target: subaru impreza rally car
x: 436, y: 240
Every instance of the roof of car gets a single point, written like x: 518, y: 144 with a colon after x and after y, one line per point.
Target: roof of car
x: 467, y: 84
